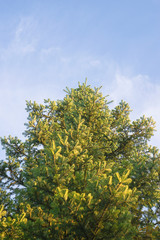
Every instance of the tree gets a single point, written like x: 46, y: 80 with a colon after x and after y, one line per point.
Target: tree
x: 83, y: 172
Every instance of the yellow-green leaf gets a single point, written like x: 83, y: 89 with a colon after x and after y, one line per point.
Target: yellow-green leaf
x: 66, y: 195
x: 128, y: 181
x: 110, y: 180
x: 118, y: 176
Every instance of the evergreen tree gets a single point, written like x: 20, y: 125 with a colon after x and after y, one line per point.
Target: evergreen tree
x: 84, y: 171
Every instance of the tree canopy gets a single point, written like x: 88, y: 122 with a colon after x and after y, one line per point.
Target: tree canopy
x: 84, y: 171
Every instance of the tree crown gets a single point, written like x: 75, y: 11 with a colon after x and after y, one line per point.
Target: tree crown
x: 84, y: 171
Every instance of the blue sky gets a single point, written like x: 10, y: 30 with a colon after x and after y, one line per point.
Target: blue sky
x: 48, y: 45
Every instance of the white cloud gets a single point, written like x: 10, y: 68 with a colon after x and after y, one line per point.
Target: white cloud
x: 49, y: 53
x: 143, y: 96
x: 23, y: 39
x: 56, y: 69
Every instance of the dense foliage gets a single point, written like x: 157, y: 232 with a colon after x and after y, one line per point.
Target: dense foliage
x: 83, y: 172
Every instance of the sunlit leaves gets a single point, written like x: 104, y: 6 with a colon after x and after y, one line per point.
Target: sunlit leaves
x: 83, y: 172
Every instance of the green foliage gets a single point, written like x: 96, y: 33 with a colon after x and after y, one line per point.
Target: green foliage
x: 83, y: 172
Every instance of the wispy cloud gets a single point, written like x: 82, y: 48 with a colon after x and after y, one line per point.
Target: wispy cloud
x: 57, y: 69
x: 49, y: 51
x: 142, y: 95
x: 23, y: 40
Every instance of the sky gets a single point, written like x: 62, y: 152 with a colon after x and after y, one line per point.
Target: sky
x: 48, y: 45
